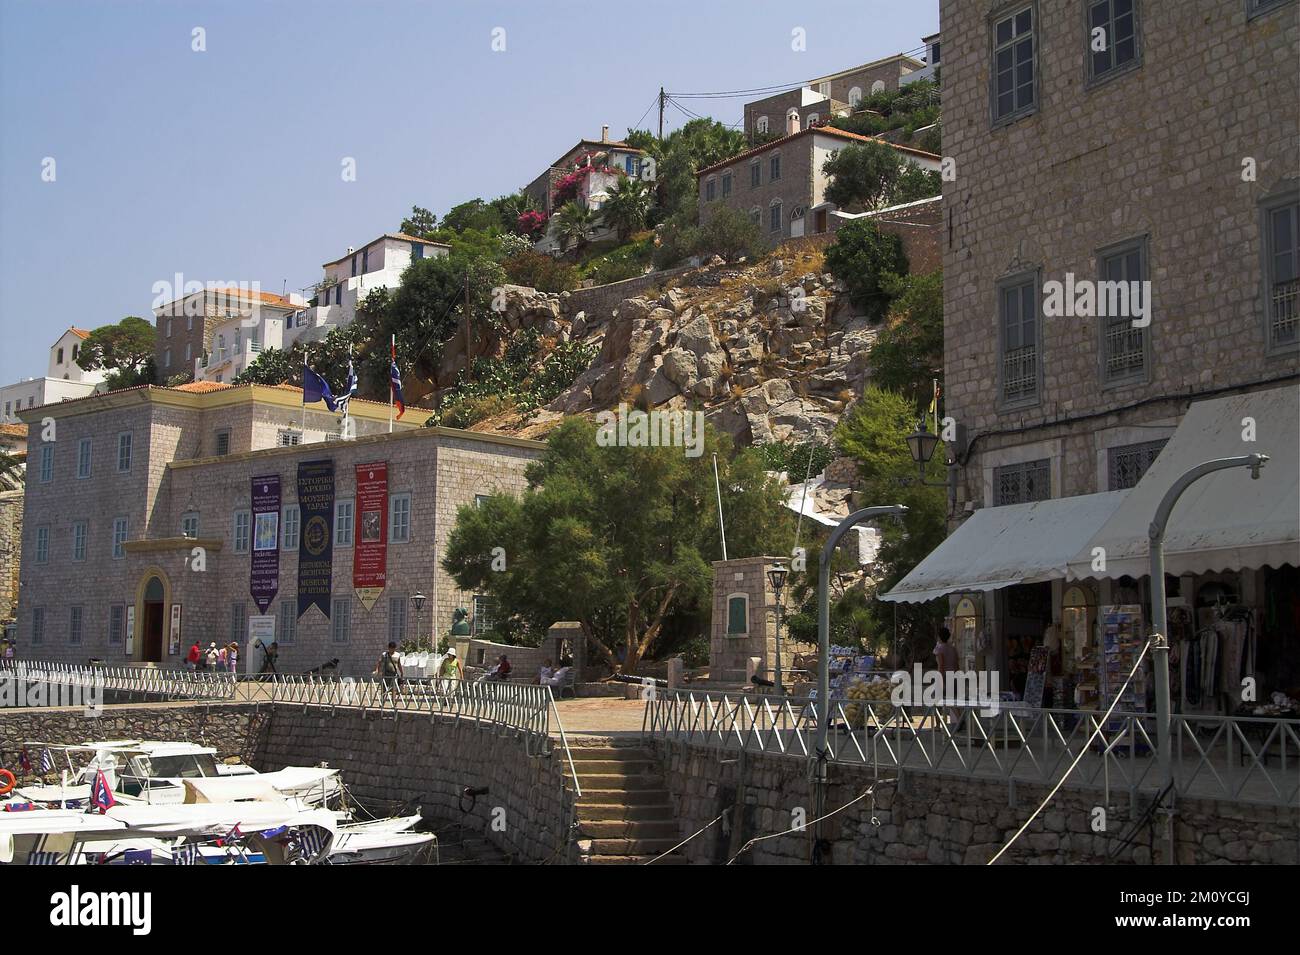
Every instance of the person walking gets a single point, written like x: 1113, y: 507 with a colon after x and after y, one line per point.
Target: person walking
x: 269, y: 655
x: 232, y: 657
x: 192, y: 659
x: 211, y: 657
x: 389, y: 670
x: 450, y: 671
x: 945, y: 656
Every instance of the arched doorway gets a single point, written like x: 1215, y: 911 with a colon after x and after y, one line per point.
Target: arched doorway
x: 152, y: 621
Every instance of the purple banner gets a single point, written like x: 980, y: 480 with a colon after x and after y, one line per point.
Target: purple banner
x: 264, y: 575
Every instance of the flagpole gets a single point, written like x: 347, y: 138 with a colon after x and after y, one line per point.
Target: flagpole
x: 305, y: 353
x: 393, y: 353
x: 935, y: 393
x: 347, y: 408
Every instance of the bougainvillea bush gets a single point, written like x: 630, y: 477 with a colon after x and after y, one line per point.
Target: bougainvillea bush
x: 532, y: 224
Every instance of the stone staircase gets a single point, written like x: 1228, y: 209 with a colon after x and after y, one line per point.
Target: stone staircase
x: 625, y: 816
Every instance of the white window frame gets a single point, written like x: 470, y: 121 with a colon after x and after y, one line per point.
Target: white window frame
x: 241, y: 531
x: 121, y: 531
x: 79, y: 540
x: 394, y: 510
x: 42, y: 549
x: 292, y: 528
x: 341, y: 620
x: 343, y: 528
x: 762, y: 124
x: 85, y: 449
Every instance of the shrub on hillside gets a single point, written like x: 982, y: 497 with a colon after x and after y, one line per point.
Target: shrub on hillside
x: 867, y: 261
x: 730, y: 234
x: 540, y: 272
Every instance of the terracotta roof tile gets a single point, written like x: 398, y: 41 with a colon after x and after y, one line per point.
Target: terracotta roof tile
x: 201, y: 387
x: 823, y: 130
x: 14, y: 430
x: 79, y: 332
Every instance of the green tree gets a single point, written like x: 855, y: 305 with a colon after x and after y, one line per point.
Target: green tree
x: 510, y: 207
x: 908, y: 353
x: 616, y: 538
x: 574, y: 223
x: 874, y: 175
x: 473, y: 214
x: 685, y: 151
x: 421, y: 223
x: 124, y: 351
x: 874, y: 433
x: 868, y: 262
x: 542, y: 272
x: 627, y: 206
x: 730, y: 234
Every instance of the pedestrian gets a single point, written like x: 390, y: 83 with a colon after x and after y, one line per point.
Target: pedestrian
x: 450, y: 670
x: 500, y: 672
x: 9, y: 650
x: 192, y: 660
x: 269, y: 655
x: 232, y: 657
x: 221, y: 658
x: 546, y: 671
x: 211, y: 657
x: 945, y: 655
x: 389, y: 669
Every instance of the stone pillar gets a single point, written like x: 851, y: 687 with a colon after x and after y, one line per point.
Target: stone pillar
x: 742, y: 584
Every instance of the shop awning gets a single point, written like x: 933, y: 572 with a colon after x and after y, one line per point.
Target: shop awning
x: 1015, y: 544
x: 1224, y: 521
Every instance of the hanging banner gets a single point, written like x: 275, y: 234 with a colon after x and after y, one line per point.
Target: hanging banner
x: 370, y: 552
x: 264, y: 572
x: 316, y: 538
x: 174, y: 638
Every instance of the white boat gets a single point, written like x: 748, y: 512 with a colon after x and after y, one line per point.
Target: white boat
x: 267, y: 832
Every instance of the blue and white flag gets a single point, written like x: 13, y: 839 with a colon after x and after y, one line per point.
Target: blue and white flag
x: 315, y: 388
x: 186, y: 853
x: 47, y: 761
x: 341, y: 402
x: 43, y: 858
x: 313, y: 841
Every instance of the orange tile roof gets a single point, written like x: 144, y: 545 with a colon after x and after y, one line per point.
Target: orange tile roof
x: 824, y: 130
x: 79, y: 332
x: 201, y: 387
x: 14, y: 430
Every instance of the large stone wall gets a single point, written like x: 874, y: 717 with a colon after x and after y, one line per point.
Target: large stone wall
x: 599, y: 301
x: 526, y: 813
x: 11, y: 548
x: 940, y: 819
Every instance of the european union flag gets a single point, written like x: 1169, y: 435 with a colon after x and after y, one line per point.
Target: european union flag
x: 314, y: 389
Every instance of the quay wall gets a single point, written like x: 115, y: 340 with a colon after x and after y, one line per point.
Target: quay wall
x: 526, y: 813
x: 925, y: 818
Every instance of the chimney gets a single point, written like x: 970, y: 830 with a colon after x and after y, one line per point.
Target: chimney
x: 792, y: 122
x: 604, y: 133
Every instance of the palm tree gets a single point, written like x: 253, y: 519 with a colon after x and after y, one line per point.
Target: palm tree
x: 575, y: 222
x: 627, y: 206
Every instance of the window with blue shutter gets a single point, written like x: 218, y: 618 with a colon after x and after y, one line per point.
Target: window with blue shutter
x: 417, y: 251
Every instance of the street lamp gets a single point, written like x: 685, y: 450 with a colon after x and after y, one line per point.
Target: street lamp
x: 418, y: 599
x: 777, y: 575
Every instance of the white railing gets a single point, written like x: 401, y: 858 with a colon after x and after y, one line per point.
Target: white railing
x: 1254, y: 760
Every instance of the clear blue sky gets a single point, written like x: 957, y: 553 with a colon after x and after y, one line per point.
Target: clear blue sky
x: 225, y: 165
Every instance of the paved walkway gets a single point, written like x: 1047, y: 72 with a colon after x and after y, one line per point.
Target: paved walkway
x: 599, y: 717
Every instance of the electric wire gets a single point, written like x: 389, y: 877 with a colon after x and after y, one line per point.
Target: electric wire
x: 1083, y: 751
x: 743, y: 849
x: 684, y: 841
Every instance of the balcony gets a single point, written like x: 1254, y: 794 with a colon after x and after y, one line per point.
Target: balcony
x: 1284, y: 313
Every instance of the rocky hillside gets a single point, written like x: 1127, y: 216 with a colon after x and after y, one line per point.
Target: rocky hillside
x: 770, y: 351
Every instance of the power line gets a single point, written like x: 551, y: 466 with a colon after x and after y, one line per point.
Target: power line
x: 778, y: 88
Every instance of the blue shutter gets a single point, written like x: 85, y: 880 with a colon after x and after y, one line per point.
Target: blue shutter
x: 365, y: 261
x: 417, y: 251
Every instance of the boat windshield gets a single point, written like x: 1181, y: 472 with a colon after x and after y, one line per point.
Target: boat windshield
x: 182, y: 765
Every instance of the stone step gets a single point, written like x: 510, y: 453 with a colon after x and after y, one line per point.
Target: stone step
x: 631, y: 767
x: 613, y: 812
x: 619, y: 753
x: 620, y: 781
x: 622, y: 797
x: 636, y: 829
x: 628, y: 847
x: 673, y: 859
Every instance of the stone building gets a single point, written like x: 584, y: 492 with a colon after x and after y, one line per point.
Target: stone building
x: 781, y: 185
x: 744, y: 620
x: 186, y: 326
x: 142, y: 533
x: 11, y: 536
x: 1171, y: 158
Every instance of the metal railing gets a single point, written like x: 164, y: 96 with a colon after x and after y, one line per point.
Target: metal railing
x: 1255, y: 760
x: 516, y: 707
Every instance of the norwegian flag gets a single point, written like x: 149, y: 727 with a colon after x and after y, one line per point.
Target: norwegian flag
x: 233, y: 836
x: 24, y: 760
x: 395, y: 381
x: 101, y: 796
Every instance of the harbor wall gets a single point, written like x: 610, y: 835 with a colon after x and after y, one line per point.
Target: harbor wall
x: 927, y: 818
x: 394, y: 758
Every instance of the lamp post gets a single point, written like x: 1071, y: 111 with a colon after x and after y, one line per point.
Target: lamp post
x: 777, y: 575
x: 820, y: 753
x: 1159, y: 612
x: 922, y: 444
x: 418, y: 599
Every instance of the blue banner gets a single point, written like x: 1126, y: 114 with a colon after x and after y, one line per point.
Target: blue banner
x: 316, y: 537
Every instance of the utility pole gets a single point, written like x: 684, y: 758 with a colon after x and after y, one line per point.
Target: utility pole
x: 468, y: 361
x: 662, y: 97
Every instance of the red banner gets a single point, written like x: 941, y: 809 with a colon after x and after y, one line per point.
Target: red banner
x: 370, y: 547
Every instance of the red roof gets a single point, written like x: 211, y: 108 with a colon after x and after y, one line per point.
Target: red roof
x: 14, y: 430
x: 201, y: 387
x: 79, y: 332
x: 823, y: 130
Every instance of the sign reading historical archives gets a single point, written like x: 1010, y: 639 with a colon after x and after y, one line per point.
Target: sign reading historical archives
x: 316, y: 536
x: 370, y: 550
x: 264, y: 572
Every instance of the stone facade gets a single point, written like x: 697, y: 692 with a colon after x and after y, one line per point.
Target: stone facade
x: 11, y: 547
x: 927, y: 818
x: 877, y: 76
x: 729, y: 652
x: 798, y: 193
x: 1154, y: 154
x: 173, y: 476
x: 808, y: 106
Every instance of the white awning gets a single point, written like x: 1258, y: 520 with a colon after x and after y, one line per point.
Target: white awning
x: 1225, y: 521
x: 1001, y: 546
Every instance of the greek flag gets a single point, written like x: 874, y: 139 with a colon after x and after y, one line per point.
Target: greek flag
x: 341, y: 402
x: 313, y: 841
x: 185, y: 854
x: 43, y: 858
x: 47, y: 761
